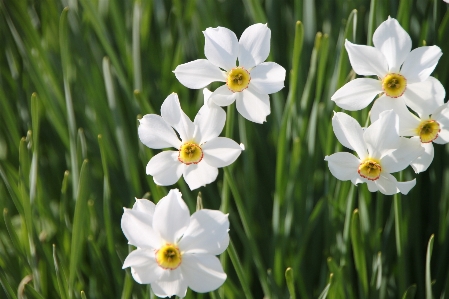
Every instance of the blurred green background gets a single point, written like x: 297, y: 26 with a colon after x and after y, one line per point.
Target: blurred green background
x: 74, y: 81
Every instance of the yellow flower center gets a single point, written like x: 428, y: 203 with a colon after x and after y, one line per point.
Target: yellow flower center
x: 428, y: 130
x: 370, y: 169
x: 238, y: 79
x: 394, y: 85
x: 189, y: 153
x: 169, y: 257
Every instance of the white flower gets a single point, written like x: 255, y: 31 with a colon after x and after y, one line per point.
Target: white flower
x: 175, y: 250
x: 199, y: 152
x: 431, y: 125
x: 380, y: 152
x: 249, y: 83
x: 402, y: 75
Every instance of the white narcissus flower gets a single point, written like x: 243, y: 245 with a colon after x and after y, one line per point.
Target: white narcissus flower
x: 380, y: 152
x: 199, y: 152
x: 175, y: 250
x: 431, y: 125
x: 249, y: 83
x: 403, y: 75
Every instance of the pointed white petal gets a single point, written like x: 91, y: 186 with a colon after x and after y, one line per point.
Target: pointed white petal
x: 172, y: 113
x: 399, y: 159
x: 394, y: 42
x: 387, y: 184
x: 420, y: 63
x: 357, y: 94
x: 253, y: 106
x: 254, y: 45
x: 198, y: 73
x: 343, y: 166
x: 210, y: 121
x: 349, y: 133
x: 202, y: 272
x: 382, y: 135
x: 441, y: 115
x: 155, y: 132
x: 366, y: 60
x: 222, y: 96
x: 171, y: 216
x: 171, y: 283
x: 138, y: 231
x: 139, y: 258
x: 165, y: 168
x: 207, y: 233
x: 145, y: 206
x: 221, y: 151
x: 443, y: 137
x: 268, y: 77
x: 425, y: 97
x: 221, y: 47
x: 207, y: 93
x: 201, y: 174
x: 145, y: 273
x: 421, y: 163
x: 407, y: 121
x: 405, y: 187
x: 372, y: 187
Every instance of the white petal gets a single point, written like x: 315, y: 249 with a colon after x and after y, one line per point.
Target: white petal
x: 222, y: 96
x: 221, y: 151
x: 443, y: 137
x: 155, y: 132
x: 139, y: 258
x: 357, y: 94
x: 207, y: 233
x: 268, y: 77
x: 253, y: 106
x: 441, y: 115
x: 394, y: 42
x: 210, y: 121
x: 145, y: 206
x: 372, y: 187
x: 138, y: 231
x: 420, y: 63
x: 421, y: 163
x: 206, y: 94
x: 366, y: 60
x: 172, y: 113
x: 144, y: 267
x: 399, y: 159
x: 202, y: 272
x: 170, y: 283
x: 382, y: 135
x: 407, y: 121
x: 425, y: 97
x: 343, y: 166
x: 198, y: 73
x: 405, y: 187
x: 349, y: 133
x: 201, y: 174
x: 387, y: 184
x: 171, y: 216
x: 254, y: 45
x: 221, y: 47
x: 165, y: 168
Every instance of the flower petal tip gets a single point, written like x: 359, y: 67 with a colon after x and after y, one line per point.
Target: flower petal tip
x: 242, y: 146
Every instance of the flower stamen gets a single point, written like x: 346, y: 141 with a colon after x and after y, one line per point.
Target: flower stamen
x: 238, y: 79
x: 394, y: 85
x: 370, y: 169
x: 168, y: 257
x: 189, y: 153
x: 428, y: 130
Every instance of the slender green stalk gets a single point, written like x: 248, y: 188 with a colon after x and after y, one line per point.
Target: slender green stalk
x: 371, y: 22
x: 239, y: 270
x: 429, y: 294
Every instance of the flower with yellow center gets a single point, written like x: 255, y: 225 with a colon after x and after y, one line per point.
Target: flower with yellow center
x: 249, y: 83
x: 403, y: 75
x: 199, y: 153
x: 175, y: 250
x: 380, y: 152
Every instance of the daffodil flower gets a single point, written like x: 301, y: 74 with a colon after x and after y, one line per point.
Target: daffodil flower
x: 199, y: 152
x: 431, y: 125
x: 175, y: 250
x: 403, y: 75
x: 249, y: 83
x: 380, y: 152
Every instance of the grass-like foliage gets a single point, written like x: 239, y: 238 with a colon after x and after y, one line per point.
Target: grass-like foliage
x: 75, y: 77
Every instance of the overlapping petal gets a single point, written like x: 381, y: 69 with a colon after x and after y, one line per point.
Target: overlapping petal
x: 423, y: 162
x: 400, y: 158
x: 210, y: 121
x: 170, y: 283
x: 171, y: 217
x: 405, y: 187
x: 222, y: 96
x: 221, y: 151
x: 139, y: 258
x: 349, y: 133
x: 254, y: 45
x: 198, y: 73
x: 357, y: 94
x: 202, y: 272
x: 165, y: 168
x: 268, y: 77
x: 207, y: 233
x: 201, y: 174
x: 156, y: 133
x: 172, y: 113
x: 221, y: 47
x: 387, y: 184
x: 253, y: 106
x: 146, y: 273
x: 394, y: 42
x: 138, y: 232
x: 425, y: 97
x: 420, y: 63
x: 343, y: 166
x: 144, y: 206
x: 366, y: 60
x: 382, y: 135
